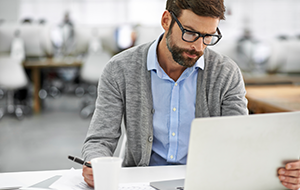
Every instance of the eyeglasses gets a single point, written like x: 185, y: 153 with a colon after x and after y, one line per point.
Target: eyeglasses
x: 192, y: 36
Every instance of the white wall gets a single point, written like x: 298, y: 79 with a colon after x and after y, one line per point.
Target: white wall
x: 266, y: 18
x: 95, y: 12
x: 9, y: 10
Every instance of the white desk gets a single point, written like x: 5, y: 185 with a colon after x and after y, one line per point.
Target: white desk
x: 128, y: 175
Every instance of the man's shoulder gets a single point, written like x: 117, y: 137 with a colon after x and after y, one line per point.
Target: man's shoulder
x: 135, y: 53
x: 129, y: 64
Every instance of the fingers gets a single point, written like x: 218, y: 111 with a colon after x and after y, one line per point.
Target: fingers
x: 289, y: 178
x: 291, y: 186
x: 292, y: 173
x: 293, y: 180
x: 293, y: 165
x: 87, y: 174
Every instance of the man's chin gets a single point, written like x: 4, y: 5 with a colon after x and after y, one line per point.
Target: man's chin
x: 187, y: 63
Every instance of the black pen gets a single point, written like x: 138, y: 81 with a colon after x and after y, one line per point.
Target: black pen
x: 80, y: 161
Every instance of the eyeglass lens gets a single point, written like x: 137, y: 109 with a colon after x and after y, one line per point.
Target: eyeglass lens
x: 191, y: 37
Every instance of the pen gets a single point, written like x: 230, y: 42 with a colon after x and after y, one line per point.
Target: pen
x: 80, y: 161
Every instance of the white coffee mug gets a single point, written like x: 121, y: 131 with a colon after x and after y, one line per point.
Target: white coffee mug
x: 106, y: 171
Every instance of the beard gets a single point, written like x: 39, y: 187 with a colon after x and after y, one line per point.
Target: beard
x: 177, y: 53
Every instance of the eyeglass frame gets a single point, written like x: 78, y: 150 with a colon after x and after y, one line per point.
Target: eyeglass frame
x: 183, y: 30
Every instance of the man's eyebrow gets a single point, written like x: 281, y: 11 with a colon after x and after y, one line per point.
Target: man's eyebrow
x: 190, y: 28
x: 193, y: 30
x: 212, y: 33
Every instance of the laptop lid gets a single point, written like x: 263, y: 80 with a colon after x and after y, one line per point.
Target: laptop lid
x: 241, y: 152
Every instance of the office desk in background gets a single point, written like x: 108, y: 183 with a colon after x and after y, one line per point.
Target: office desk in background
x: 128, y: 174
x: 273, y: 98
x: 36, y: 65
x: 272, y: 79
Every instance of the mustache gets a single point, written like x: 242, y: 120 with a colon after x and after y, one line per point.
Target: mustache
x: 191, y: 52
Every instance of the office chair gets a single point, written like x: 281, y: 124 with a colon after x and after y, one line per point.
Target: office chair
x: 90, y: 73
x: 12, y: 77
x: 292, y: 57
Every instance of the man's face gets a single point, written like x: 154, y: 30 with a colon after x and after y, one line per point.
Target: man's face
x: 178, y: 53
x: 186, y: 53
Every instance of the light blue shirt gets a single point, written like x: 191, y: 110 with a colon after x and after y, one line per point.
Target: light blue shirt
x: 174, y: 105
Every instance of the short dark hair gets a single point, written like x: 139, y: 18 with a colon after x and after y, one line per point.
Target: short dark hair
x: 207, y: 8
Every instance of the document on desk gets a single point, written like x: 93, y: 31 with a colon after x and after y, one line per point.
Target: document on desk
x: 73, y: 180
x: 7, y: 183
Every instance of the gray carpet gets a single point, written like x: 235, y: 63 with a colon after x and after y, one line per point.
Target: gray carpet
x: 43, y: 141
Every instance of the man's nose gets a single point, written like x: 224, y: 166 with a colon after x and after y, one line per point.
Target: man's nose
x: 198, y: 45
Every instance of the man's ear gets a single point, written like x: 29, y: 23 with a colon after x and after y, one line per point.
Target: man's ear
x: 166, y: 20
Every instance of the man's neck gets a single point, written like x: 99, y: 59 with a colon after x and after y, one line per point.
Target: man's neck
x: 166, y: 62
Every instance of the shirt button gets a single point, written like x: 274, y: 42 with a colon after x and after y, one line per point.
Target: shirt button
x: 171, y: 156
x: 173, y: 134
x: 150, y: 139
x: 176, y: 84
x: 174, y: 109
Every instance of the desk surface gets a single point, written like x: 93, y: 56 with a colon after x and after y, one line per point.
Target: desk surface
x: 128, y: 175
x: 275, y: 98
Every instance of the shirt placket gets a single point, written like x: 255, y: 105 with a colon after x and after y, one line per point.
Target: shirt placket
x: 174, y: 123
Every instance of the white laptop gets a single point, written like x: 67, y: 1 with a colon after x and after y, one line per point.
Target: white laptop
x: 239, y: 152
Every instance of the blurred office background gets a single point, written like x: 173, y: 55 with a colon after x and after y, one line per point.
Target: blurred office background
x: 53, y: 51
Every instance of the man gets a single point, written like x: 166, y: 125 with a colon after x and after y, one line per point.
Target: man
x: 161, y: 87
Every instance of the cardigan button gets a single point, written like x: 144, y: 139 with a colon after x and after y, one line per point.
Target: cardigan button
x: 152, y: 110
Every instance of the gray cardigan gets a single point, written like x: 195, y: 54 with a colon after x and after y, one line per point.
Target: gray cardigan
x: 125, y: 91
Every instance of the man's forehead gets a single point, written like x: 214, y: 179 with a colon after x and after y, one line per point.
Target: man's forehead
x: 202, y: 24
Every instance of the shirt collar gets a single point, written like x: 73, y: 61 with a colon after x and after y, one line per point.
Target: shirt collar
x: 152, y: 61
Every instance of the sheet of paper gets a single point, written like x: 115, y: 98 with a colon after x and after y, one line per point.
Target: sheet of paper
x: 73, y: 180
x: 135, y: 186
x: 7, y: 183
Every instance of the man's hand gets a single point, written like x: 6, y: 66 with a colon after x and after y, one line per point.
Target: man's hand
x: 290, y: 175
x: 87, y: 174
